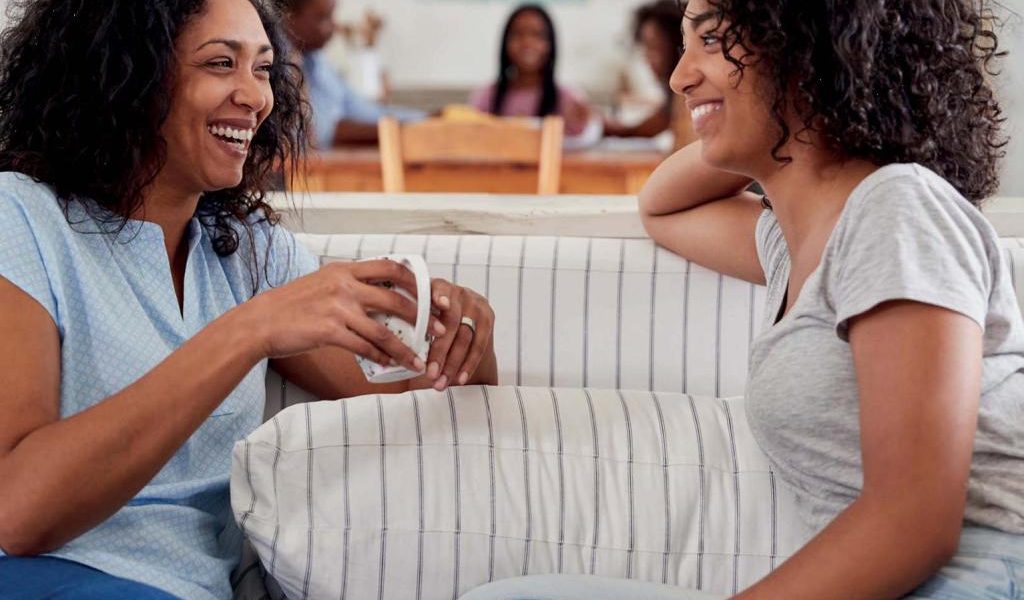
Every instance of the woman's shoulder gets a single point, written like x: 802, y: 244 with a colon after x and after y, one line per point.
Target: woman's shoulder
x: 27, y: 200
x: 900, y: 187
x: 911, y: 200
x: 482, y: 97
x: 15, y: 186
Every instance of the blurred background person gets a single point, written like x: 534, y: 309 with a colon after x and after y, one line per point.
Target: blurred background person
x: 340, y: 114
x: 657, y: 30
x: 526, y: 84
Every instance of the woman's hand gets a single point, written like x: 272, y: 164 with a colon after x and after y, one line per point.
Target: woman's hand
x: 332, y: 307
x: 455, y: 356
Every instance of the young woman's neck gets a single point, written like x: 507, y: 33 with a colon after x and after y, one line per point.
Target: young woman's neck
x: 171, y: 208
x: 526, y: 80
x: 809, y: 193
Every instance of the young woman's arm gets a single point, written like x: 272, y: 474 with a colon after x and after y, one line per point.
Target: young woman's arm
x: 703, y: 214
x: 63, y: 476
x: 919, y: 377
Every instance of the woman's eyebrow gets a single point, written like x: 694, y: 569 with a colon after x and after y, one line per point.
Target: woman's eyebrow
x: 697, y: 20
x: 234, y: 45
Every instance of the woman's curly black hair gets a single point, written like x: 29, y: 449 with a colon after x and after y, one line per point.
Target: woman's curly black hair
x: 889, y: 81
x: 85, y: 88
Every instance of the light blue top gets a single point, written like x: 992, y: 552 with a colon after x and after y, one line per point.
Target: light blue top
x: 334, y: 101
x: 113, y: 301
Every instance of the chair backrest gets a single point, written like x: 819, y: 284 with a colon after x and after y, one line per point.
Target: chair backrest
x: 446, y: 143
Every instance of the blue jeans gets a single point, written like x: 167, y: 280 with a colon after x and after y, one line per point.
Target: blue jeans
x: 989, y: 565
x: 45, y: 578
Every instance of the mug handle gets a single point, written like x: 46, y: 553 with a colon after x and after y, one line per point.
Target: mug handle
x: 418, y: 266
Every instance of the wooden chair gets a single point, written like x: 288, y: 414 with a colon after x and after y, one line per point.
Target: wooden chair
x: 478, y: 153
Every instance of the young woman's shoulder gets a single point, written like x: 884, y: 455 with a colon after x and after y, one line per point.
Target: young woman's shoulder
x: 20, y: 190
x: 906, y: 233
x: 898, y: 196
x: 32, y: 207
x: 482, y: 96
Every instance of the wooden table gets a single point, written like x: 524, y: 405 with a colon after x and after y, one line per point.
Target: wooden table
x: 583, y: 172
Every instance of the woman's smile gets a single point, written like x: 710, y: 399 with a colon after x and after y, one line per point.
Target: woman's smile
x: 233, y: 136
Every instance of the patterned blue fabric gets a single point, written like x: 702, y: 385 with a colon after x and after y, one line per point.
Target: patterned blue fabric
x: 112, y: 299
x: 334, y: 101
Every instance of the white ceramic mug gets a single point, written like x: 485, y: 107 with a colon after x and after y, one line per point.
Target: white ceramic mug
x: 413, y: 336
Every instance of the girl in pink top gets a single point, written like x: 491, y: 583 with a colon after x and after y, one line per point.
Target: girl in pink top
x: 526, y: 78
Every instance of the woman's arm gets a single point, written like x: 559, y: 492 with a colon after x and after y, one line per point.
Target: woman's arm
x: 919, y: 377
x: 63, y: 476
x: 703, y: 214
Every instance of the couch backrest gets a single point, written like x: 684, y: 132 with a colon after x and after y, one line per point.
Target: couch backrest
x: 592, y: 312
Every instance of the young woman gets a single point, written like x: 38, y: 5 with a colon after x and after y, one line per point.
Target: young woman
x: 144, y: 285
x: 658, y: 30
x: 526, y: 85
x: 887, y: 385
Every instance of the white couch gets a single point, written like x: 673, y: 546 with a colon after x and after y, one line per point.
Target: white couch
x: 649, y: 474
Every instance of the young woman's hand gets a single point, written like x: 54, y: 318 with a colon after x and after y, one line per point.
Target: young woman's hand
x: 469, y: 319
x: 332, y: 307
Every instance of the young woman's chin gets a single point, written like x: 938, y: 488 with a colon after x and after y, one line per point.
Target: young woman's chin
x: 716, y: 152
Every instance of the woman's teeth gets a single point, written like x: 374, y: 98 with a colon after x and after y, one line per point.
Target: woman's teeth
x: 238, y: 136
x: 704, y: 110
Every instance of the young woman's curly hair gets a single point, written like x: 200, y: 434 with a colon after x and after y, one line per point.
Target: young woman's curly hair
x: 85, y: 88
x: 890, y: 81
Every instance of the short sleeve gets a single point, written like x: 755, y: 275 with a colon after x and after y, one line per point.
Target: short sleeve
x: 910, y: 239
x: 22, y: 254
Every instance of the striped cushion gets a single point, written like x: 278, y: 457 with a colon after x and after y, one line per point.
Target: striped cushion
x: 426, y: 495
x: 582, y: 312
x: 629, y: 315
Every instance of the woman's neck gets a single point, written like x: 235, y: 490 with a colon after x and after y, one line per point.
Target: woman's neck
x: 526, y: 81
x: 170, y: 208
x: 809, y: 193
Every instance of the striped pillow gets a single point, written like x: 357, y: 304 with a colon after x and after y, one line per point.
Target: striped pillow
x: 426, y: 495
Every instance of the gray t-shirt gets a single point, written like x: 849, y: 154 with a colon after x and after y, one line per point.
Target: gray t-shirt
x: 905, y: 233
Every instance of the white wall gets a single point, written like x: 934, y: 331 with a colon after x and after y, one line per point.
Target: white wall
x: 1011, y: 91
x: 454, y: 43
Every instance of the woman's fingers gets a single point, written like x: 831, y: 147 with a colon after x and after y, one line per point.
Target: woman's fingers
x: 378, y: 271
x: 381, y: 337
x: 451, y: 314
x: 360, y: 347
x: 479, y: 347
x: 383, y: 300
x: 456, y: 356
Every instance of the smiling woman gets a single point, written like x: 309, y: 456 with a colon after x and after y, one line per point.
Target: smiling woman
x: 86, y: 112
x: 145, y: 288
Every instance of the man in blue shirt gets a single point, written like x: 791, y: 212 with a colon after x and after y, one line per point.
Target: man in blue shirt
x: 340, y: 114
